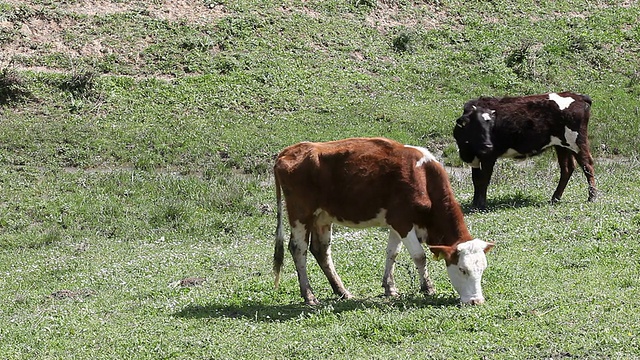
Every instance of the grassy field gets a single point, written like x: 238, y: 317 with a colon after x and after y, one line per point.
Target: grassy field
x: 137, y: 204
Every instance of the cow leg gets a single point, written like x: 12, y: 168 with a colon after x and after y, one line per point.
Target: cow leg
x: 586, y: 163
x: 321, y: 250
x: 416, y: 251
x: 481, y: 178
x: 567, y: 165
x: 298, y: 245
x: 393, y: 247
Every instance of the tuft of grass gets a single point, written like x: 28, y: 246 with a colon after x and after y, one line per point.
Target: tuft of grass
x: 12, y: 87
x: 403, y: 42
x: 79, y: 83
x: 170, y: 215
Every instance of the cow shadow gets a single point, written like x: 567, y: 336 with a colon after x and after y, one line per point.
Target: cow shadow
x: 511, y: 201
x: 277, y: 313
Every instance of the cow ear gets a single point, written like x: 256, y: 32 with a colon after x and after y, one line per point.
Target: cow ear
x: 462, y: 122
x: 488, y: 247
x: 476, y: 245
x: 441, y: 252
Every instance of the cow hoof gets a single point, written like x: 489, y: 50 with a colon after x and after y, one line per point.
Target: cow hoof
x: 473, y: 302
x: 478, y: 208
x: 345, y: 296
x: 391, y: 293
x: 312, y: 302
x: 428, y: 291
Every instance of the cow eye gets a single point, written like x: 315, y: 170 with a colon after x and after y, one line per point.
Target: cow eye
x: 463, y: 271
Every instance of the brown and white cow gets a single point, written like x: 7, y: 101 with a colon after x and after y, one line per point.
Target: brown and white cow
x: 519, y: 127
x: 366, y: 182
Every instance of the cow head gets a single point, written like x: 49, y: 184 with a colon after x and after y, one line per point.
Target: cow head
x: 466, y: 262
x: 473, y: 132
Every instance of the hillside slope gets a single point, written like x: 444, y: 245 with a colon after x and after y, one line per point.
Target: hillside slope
x: 123, y: 83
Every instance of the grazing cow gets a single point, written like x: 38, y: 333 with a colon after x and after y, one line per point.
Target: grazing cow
x: 518, y: 127
x: 374, y: 182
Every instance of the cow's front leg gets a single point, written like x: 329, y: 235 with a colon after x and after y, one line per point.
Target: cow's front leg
x: 321, y: 250
x: 393, y: 247
x: 481, y: 177
x: 298, y: 245
x: 419, y: 258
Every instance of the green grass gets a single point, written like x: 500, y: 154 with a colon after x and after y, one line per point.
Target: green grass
x: 563, y: 280
x: 131, y: 165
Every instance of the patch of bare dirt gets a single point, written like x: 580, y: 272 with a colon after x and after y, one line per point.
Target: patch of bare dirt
x: 40, y: 36
x: 37, y: 35
x: 389, y: 15
x: 195, y: 12
x: 188, y: 282
x: 72, y: 294
x: 303, y: 10
x: 172, y: 10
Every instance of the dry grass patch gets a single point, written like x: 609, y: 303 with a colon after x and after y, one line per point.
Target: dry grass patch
x: 37, y: 36
x: 388, y: 15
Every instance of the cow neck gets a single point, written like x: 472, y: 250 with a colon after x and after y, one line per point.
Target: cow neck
x: 447, y: 228
x: 445, y: 223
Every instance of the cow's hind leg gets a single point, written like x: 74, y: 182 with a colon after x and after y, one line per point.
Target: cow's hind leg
x: 393, y: 247
x: 298, y: 245
x: 419, y: 258
x: 321, y: 250
x: 586, y: 163
x: 567, y: 165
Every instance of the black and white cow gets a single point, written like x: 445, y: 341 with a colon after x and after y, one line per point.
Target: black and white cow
x: 519, y: 127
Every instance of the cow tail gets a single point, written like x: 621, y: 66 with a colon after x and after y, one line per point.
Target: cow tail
x: 278, y: 252
x: 587, y: 100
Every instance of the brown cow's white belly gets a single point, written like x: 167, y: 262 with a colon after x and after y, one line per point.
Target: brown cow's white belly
x: 324, y: 218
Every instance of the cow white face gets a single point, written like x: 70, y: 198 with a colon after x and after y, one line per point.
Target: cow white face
x: 466, y: 273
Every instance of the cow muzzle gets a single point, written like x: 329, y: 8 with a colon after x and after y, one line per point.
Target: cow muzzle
x: 485, y: 149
